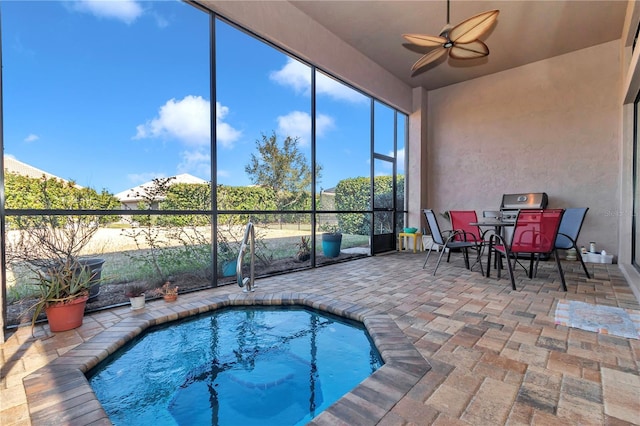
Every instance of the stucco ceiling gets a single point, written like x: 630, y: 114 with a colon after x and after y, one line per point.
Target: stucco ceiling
x: 526, y: 31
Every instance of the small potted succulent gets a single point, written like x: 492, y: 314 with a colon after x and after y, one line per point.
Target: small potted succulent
x: 135, y: 293
x: 169, y: 293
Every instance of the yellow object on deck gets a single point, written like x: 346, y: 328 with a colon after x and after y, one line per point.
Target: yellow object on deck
x: 417, y: 240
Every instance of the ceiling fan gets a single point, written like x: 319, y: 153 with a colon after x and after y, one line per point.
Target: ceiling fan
x: 461, y: 41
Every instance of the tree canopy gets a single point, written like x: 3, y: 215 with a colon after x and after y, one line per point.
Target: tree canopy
x: 284, y: 169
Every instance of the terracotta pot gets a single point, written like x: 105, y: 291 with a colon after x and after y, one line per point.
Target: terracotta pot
x: 66, y: 316
x: 170, y: 297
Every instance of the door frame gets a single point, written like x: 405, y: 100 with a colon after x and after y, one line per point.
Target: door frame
x: 383, y: 242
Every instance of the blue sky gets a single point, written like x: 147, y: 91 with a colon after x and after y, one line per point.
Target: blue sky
x: 114, y: 93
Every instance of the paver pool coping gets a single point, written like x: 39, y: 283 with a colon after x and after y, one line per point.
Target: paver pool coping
x: 59, y: 393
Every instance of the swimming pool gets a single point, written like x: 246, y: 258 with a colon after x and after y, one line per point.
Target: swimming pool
x: 241, y: 365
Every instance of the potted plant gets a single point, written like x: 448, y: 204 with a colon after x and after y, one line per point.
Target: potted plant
x: 63, y: 294
x: 135, y: 293
x: 331, y: 241
x: 169, y: 293
x: 49, y: 241
x: 304, y: 250
x: 94, y: 264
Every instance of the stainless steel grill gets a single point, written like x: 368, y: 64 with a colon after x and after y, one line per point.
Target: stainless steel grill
x: 531, y: 200
x: 512, y: 203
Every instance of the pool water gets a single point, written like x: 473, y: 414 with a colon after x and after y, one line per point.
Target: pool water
x: 236, y: 366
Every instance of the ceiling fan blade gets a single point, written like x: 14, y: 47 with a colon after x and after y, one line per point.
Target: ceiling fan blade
x: 425, y: 40
x: 475, y: 49
x: 473, y: 28
x: 428, y: 58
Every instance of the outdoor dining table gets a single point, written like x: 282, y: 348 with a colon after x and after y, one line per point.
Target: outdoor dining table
x: 497, y: 224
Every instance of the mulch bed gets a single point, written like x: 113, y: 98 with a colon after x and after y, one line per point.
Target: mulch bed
x: 112, y: 295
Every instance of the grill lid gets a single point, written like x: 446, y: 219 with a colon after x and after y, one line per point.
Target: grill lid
x: 531, y: 200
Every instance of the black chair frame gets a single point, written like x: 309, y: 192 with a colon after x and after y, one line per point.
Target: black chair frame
x: 449, y: 242
x: 567, y: 225
x: 508, y: 255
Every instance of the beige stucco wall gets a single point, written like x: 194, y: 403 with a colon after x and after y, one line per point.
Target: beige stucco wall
x: 417, y: 155
x: 552, y: 126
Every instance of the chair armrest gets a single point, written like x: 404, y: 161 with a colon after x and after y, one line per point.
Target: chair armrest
x: 471, y: 242
x: 485, y: 232
x: 496, y: 239
x: 452, y: 233
x: 466, y: 234
x: 448, y: 232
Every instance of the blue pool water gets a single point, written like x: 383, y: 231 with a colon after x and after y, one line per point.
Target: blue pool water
x: 236, y: 366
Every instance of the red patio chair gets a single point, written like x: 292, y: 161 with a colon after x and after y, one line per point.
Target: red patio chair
x: 460, y: 223
x: 534, y: 234
x: 460, y: 220
x: 446, y: 242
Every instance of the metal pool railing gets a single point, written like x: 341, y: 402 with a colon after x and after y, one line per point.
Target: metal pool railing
x: 249, y: 241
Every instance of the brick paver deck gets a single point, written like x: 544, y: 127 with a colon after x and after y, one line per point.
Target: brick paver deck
x: 459, y: 348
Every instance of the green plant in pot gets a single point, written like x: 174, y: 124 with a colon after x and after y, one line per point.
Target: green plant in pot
x: 63, y: 293
x: 304, y: 250
x: 331, y: 241
x: 50, y: 241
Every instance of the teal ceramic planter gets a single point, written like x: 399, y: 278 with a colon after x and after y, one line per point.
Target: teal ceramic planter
x: 229, y: 268
x: 331, y: 244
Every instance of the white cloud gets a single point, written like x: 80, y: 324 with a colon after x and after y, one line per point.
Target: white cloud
x: 161, y: 21
x: 297, y: 75
x: 324, y: 123
x: 226, y: 134
x: 298, y: 124
x: 187, y: 120
x: 338, y: 91
x: 31, y: 138
x: 126, y: 11
x: 195, y: 163
x: 294, y: 74
x: 400, y: 160
x: 387, y: 168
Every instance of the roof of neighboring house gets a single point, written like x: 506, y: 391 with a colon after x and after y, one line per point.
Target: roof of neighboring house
x: 11, y: 165
x: 137, y: 193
